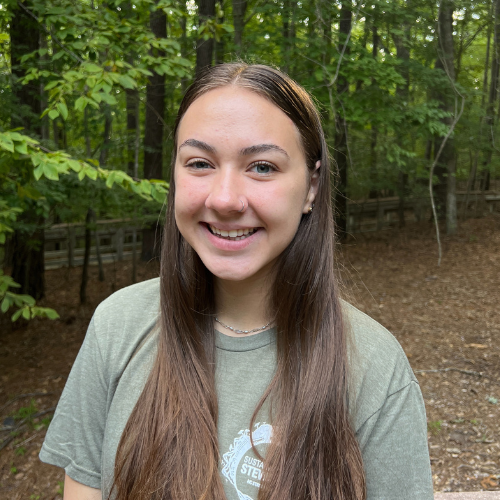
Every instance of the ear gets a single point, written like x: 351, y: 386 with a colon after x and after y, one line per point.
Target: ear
x: 313, y: 189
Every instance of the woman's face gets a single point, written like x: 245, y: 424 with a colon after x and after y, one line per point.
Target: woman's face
x: 241, y: 182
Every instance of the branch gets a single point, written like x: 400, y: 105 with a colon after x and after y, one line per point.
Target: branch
x: 54, y: 37
x: 334, y: 79
x: 22, y: 396
x: 21, y: 424
x: 493, y: 140
x: 465, y: 372
x: 443, y: 143
x: 145, y: 101
x: 249, y: 18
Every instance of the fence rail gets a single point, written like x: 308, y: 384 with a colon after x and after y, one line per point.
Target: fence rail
x: 65, y: 243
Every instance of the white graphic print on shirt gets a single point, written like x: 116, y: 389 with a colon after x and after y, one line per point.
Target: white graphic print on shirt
x: 240, y: 466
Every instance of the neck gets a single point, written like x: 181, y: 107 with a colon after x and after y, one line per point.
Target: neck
x: 242, y: 305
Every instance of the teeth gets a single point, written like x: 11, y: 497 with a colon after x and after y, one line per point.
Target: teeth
x: 234, y: 234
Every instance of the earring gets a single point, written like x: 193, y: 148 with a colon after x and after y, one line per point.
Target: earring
x: 310, y: 209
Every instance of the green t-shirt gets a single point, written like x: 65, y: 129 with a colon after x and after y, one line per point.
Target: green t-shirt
x: 386, y: 405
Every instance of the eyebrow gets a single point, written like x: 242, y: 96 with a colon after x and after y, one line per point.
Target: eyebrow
x: 195, y: 143
x: 251, y: 150
x: 262, y: 148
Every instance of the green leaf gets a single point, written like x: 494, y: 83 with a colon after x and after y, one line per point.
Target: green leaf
x: 75, y: 165
x: 22, y: 148
x: 110, y: 180
x: 63, y: 109
x: 91, y: 68
x: 127, y: 82
x: 51, y: 314
x: 91, y: 173
x: 26, y: 313
x: 38, y: 172
x: 52, y: 84
x: 81, y: 103
x: 108, y: 98
x: 53, y: 114
x: 16, y: 315
x: 6, y: 143
x: 6, y: 303
x: 50, y: 171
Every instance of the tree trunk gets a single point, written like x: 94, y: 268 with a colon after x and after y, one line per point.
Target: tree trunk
x: 27, y: 245
x: 132, y: 115
x: 289, y: 7
x: 490, y: 117
x: 204, y: 48
x: 153, y: 134
x: 239, y: 12
x: 98, y: 249
x: 183, y: 41
x: 86, y: 257
x: 403, y: 93
x: 374, y: 132
x: 445, y: 191
x: 28, y: 266
x: 219, y: 45
x: 24, y: 39
x: 106, y: 141
x: 341, y: 151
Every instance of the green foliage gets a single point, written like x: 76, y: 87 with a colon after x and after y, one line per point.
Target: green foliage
x: 435, y: 426
x: 23, y: 164
x: 96, y: 56
x: 26, y: 412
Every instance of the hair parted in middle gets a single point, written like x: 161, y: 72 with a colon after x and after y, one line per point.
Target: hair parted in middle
x: 169, y: 448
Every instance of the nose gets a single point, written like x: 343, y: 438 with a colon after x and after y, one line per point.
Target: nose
x: 227, y: 193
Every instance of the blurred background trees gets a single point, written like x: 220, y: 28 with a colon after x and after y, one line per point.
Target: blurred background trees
x: 101, y: 81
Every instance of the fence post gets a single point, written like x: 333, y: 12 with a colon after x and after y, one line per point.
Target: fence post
x: 119, y: 243
x: 71, y: 246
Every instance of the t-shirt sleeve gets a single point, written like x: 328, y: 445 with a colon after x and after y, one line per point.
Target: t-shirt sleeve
x: 75, y: 436
x: 393, y: 442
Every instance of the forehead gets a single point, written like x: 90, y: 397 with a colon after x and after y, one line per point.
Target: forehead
x: 238, y: 117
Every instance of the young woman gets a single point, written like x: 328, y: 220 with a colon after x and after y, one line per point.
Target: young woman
x: 240, y: 374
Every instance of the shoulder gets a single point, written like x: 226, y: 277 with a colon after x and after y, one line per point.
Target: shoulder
x: 128, y: 301
x: 379, y: 366
x: 125, y: 319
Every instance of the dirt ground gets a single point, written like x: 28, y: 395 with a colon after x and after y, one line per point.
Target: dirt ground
x: 446, y: 318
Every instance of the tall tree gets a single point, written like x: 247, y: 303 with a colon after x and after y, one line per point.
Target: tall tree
x: 401, y: 40
x: 490, y: 117
x: 239, y: 12
x: 446, y: 167
x: 341, y: 150
x: 219, y: 47
x: 289, y: 33
x: 28, y: 241
x: 205, y: 43
x: 153, y: 132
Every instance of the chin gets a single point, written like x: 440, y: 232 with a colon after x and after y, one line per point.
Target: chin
x: 230, y: 274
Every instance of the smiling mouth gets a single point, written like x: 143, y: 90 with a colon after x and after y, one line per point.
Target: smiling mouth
x: 234, y: 234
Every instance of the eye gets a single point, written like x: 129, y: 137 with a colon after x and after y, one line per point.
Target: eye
x: 263, y: 168
x: 198, y: 165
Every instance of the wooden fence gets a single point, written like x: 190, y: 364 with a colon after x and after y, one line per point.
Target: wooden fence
x: 65, y: 243
x: 382, y: 213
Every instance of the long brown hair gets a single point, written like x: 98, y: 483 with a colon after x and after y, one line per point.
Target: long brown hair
x: 169, y: 447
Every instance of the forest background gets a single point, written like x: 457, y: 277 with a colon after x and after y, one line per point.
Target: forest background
x: 408, y: 92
